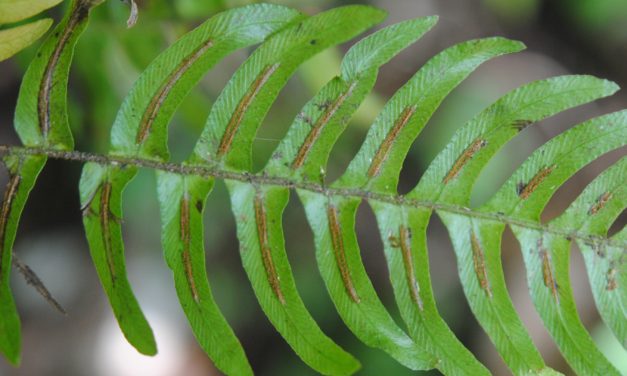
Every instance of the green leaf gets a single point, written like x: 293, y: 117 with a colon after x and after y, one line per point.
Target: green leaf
x: 41, y: 111
x: 283, y: 53
x: 378, y: 48
x: 599, y: 204
x: 17, y: 38
x: 607, y: 273
x: 101, y: 202
x: 238, y: 111
x: 17, y: 10
x: 417, y: 94
x: 184, y: 253
x: 23, y: 173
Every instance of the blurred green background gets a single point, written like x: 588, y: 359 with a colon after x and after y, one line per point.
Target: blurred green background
x: 563, y: 36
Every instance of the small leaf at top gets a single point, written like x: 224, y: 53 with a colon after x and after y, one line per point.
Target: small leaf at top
x: 17, y: 38
x: 17, y: 10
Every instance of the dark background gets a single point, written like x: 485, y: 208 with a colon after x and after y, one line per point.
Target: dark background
x: 563, y: 36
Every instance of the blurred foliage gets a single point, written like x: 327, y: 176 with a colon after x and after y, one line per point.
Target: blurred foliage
x: 607, y: 17
x: 514, y: 11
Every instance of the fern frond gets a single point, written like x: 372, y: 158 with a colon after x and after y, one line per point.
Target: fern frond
x: 287, y: 38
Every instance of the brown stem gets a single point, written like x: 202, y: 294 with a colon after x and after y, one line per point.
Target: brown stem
x: 261, y: 179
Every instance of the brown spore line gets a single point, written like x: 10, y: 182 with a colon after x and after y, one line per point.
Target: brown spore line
x: 156, y: 102
x: 105, y: 222
x: 47, y: 82
x: 242, y: 107
x: 316, y: 129
x: 547, y: 272
x: 408, y: 263
x: 186, y: 240
x: 383, y: 152
x: 611, y: 280
x: 611, y: 275
x: 463, y: 159
x: 266, y: 251
x: 340, y: 252
x: 600, y: 203
x: 525, y: 190
x: 478, y: 260
x: 5, y: 212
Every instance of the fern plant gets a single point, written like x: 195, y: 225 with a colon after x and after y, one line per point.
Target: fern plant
x: 287, y: 38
